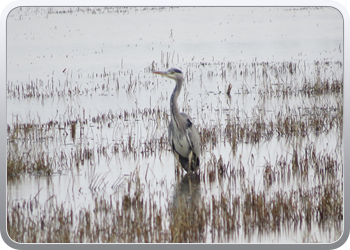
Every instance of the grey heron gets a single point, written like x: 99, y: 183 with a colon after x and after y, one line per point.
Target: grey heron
x: 183, y: 137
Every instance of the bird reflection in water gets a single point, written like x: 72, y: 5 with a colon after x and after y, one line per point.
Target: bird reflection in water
x: 187, y: 190
x: 188, y: 221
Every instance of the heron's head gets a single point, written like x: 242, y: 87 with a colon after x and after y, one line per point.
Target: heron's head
x: 171, y: 73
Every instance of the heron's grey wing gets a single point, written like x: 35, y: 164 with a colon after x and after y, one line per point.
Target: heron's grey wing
x: 192, y: 135
x: 178, y: 138
x: 194, y: 139
x: 182, y: 158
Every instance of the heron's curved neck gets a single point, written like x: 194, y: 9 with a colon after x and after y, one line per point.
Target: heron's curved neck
x: 174, y: 110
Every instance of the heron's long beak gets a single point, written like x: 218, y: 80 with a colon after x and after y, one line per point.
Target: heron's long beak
x: 162, y: 73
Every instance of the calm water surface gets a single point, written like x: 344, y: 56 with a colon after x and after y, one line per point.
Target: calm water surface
x: 86, y: 64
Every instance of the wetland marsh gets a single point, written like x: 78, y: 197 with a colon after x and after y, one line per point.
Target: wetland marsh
x: 88, y: 158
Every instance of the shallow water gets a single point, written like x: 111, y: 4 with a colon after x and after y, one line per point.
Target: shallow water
x: 96, y: 64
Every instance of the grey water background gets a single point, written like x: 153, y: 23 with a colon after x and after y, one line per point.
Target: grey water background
x: 70, y: 50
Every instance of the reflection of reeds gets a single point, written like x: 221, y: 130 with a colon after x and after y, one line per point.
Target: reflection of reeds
x: 97, y: 182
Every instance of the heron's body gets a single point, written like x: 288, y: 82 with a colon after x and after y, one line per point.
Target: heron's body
x: 181, y: 144
x: 183, y: 136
